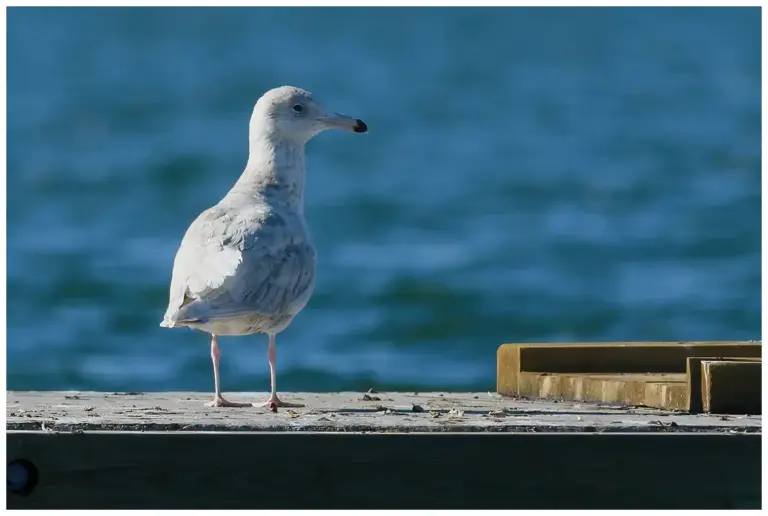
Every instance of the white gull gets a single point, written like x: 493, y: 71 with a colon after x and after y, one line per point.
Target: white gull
x: 247, y: 264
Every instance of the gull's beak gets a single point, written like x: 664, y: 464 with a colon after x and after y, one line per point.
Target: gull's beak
x: 337, y: 121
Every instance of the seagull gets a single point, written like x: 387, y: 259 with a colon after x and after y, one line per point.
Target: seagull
x: 247, y: 264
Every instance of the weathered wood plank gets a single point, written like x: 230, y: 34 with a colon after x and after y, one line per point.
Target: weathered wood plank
x: 696, y: 387
x: 305, y: 470
x: 731, y: 386
x: 581, y: 370
x: 508, y: 369
x: 377, y: 450
x: 666, y: 391
x: 375, y: 412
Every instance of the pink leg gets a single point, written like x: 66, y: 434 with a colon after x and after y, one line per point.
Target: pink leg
x: 218, y: 400
x: 272, y: 357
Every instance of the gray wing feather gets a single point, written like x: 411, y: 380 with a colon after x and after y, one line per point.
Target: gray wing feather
x: 255, y: 262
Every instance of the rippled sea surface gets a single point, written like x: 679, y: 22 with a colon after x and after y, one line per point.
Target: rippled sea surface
x: 530, y: 175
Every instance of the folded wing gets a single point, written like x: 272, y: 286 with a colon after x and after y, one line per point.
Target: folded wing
x: 226, y: 268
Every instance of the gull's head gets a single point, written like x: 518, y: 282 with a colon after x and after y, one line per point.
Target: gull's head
x: 293, y: 114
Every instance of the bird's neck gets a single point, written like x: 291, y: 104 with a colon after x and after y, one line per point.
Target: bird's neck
x: 274, y: 172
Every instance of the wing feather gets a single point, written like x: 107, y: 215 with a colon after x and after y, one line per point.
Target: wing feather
x: 227, y: 268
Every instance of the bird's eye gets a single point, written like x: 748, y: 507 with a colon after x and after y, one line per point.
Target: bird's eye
x: 298, y: 108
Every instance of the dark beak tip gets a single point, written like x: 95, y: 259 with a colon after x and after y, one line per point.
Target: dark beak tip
x: 360, y: 127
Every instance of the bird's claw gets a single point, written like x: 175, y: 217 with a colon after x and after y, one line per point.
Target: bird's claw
x: 219, y: 401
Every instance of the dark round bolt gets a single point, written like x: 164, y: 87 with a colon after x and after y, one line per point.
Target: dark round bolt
x: 22, y: 476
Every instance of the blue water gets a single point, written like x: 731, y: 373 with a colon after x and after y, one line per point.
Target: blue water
x: 530, y: 175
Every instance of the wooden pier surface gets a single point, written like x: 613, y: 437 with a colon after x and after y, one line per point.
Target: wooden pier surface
x: 355, y: 412
x: 85, y: 450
